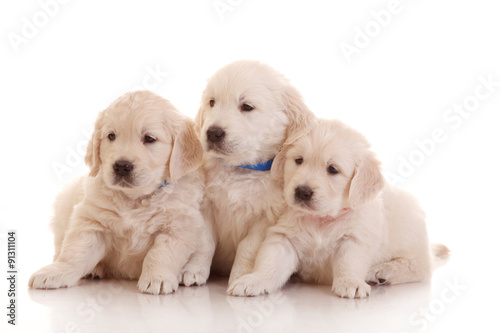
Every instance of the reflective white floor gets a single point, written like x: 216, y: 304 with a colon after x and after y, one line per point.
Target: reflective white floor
x: 116, y: 306
x: 454, y: 301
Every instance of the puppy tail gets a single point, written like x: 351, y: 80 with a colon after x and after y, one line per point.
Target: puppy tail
x: 440, y: 255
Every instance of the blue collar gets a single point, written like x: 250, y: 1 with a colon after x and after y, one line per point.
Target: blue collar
x: 266, y: 166
x: 165, y: 183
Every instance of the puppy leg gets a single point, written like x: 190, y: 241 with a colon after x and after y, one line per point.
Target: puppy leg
x: 163, y: 264
x: 81, y: 252
x: 245, y: 254
x: 399, y: 270
x: 197, y: 268
x: 275, y: 263
x: 350, y: 266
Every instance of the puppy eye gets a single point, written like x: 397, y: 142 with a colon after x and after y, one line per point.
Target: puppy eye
x: 299, y: 160
x: 111, y: 136
x: 246, y: 107
x: 332, y: 170
x: 212, y: 103
x: 149, y: 139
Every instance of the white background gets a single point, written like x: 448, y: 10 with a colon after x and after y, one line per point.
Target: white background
x: 396, y: 89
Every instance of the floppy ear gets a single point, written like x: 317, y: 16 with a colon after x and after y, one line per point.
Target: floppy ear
x: 278, y: 167
x: 301, y: 118
x: 199, y: 119
x: 92, y: 158
x: 200, y: 116
x: 187, y: 152
x: 367, y: 181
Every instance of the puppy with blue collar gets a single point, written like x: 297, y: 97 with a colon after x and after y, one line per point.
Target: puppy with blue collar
x: 248, y: 112
x: 137, y: 214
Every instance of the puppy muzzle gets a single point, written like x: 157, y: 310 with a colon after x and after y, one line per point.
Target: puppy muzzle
x: 303, y: 193
x: 215, y: 140
x: 123, y: 173
x: 304, y: 197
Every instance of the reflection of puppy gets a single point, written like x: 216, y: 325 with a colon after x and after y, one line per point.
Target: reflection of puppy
x: 248, y: 111
x: 137, y: 215
x: 345, y: 225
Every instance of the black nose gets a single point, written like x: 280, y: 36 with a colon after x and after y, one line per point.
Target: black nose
x: 215, y: 134
x: 303, y: 193
x: 123, y: 168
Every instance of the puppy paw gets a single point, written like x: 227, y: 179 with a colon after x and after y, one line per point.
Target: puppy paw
x: 380, y: 274
x: 96, y: 274
x: 194, y: 273
x: 53, y: 276
x: 157, y: 284
x: 190, y: 278
x: 350, y: 288
x: 248, y: 285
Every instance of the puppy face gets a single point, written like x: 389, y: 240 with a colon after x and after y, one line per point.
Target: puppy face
x: 139, y: 141
x: 328, y: 170
x: 248, y: 110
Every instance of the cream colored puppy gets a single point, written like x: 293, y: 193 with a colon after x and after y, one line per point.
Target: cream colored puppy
x: 136, y: 216
x: 344, y: 224
x: 248, y: 112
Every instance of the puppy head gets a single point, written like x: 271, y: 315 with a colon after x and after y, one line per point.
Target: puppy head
x: 140, y: 140
x: 248, y: 111
x: 330, y: 169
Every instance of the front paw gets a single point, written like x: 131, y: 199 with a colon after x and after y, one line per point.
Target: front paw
x: 248, y: 285
x: 189, y: 278
x: 96, y: 274
x: 157, y: 284
x: 56, y: 275
x: 350, y: 288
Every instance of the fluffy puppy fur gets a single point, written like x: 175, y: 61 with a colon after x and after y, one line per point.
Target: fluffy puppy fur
x: 118, y: 221
x: 344, y: 224
x: 248, y: 112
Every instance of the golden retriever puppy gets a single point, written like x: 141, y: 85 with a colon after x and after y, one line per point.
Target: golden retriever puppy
x: 248, y: 112
x: 137, y: 215
x: 344, y: 224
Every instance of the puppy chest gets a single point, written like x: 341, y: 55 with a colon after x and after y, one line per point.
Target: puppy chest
x: 239, y: 182
x: 315, y: 263
x: 130, y: 235
x: 237, y: 213
x: 143, y: 220
x: 244, y: 197
x: 315, y: 251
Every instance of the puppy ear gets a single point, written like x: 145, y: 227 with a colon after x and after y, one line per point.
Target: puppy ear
x: 367, y: 181
x: 301, y: 118
x: 200, y: 117
x: 92, y: 158
x: 278, y: 167
x: 187, y: 152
